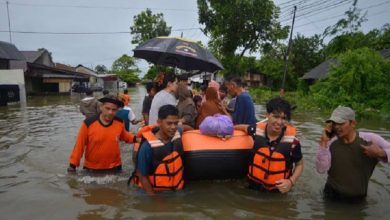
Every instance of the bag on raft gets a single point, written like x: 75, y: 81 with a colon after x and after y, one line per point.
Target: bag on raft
x: 217, y: 125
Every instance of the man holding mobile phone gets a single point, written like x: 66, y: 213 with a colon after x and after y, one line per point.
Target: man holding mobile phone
x: 348, y: 156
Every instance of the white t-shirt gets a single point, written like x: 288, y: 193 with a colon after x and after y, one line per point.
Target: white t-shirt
x: 131, y: 113
x: 160, y: 99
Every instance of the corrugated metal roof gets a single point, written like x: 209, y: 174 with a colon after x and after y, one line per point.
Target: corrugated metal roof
x: 10, y: 52
x: 319, y: 71
x: 322, y: 70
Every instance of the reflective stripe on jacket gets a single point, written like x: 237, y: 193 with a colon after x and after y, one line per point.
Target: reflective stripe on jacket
x: 271, y: 163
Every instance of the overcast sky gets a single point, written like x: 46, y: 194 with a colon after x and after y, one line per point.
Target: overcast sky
x: 111, y: 17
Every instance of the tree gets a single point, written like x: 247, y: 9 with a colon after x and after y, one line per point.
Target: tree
x: 154, y: 69
x: 360, y: 80
x: 125, y: 68
x: 305, y: 54
x: 101, y: 69
x: 246, y: 24
x: 351, y: 23
x: 147, y: 26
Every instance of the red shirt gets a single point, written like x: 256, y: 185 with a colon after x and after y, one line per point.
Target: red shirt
x: 100, y: 144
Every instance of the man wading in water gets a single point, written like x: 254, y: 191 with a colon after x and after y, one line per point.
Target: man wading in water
x: 99, y: 138
x: 348, y: 156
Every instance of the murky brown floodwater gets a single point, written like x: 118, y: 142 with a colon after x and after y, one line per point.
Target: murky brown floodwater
x: 35, y: 143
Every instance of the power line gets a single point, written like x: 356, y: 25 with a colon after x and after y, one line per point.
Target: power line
x: 84, y: 33
x: 340, y: 15
x: 97, y: 7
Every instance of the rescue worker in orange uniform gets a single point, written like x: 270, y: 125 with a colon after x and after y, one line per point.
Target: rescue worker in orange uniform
x: 158, y: 161
x: 98, y: 139
x: 277, y: 159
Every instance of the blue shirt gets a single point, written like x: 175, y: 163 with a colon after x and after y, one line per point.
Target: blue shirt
x: 244, y: 110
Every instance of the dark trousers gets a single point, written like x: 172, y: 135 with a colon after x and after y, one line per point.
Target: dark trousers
x: 332, y: 194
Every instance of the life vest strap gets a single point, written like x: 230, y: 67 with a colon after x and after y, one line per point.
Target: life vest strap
x: 269, y: 157
x: 171, y: 159
x: 169, y: 174
x: 269, y: 172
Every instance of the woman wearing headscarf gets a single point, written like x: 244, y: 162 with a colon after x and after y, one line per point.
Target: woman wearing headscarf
x: 211, y: 106
x: 186, y: 106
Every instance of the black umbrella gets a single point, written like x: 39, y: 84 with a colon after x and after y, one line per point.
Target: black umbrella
x: 177, y: 52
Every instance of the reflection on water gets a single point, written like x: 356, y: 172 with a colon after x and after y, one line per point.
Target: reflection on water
x: 36, y: 140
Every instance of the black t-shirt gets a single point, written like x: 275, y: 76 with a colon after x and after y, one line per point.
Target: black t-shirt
x: 147, y: 104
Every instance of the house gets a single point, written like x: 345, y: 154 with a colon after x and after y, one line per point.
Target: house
x: 98, y: 82
x: 80, y: 81
x: 41, y: 75
x: 322, y: 70
x: 253, y: 79
x: 12, y: 86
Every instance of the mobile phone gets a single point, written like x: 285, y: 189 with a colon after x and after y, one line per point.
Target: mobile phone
x: 329, y: 130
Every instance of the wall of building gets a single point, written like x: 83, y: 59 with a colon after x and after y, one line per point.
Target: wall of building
x: 11, y: 77
x: 14, y: 77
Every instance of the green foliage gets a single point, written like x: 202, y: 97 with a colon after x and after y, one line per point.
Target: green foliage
x: 350, y: 24
x: 154, y: 69
x: 147, y: 26
x: 239, y: 66
x: 382, y: 37
x: 305, y: 54
x: 245, y: 24
x: 101, y: 69
x: 349, y: 41
x: 360, y: 80
x: 125, y: 68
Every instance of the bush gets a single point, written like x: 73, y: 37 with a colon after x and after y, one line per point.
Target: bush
x: 360, y: 80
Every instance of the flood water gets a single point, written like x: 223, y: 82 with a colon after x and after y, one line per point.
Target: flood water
x: 36, y: 140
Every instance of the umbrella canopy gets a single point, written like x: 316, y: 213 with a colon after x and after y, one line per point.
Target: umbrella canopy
x: 177, y: 52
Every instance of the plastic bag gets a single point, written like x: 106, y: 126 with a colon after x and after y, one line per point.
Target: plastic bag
x: 217, y: 125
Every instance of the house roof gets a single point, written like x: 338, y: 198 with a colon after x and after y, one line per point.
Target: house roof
x: 319, y: 71
x: 56, y: 71
x: 322, y: 70
x: 65, y: 67
x: 10, y: 52
x: 385, y: 53
x: 32, y: 56
x: 82, y: 69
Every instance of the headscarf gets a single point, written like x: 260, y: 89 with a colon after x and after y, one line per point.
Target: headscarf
x: 211, y: 106
x: 186, y: 106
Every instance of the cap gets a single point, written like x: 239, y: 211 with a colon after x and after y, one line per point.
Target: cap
x: 111, y: 99
x: 342, y: 114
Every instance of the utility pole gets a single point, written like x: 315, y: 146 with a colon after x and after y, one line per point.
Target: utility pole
x: 9, y: 25
x: 287, y: 54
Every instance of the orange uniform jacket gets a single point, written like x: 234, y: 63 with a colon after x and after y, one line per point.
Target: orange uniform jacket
x: 100, y: 143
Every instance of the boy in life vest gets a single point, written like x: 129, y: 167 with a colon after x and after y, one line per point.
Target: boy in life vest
x: 98, y: 139
x: 158, y: 163
x: 277, y: 161
x: 348, y: 156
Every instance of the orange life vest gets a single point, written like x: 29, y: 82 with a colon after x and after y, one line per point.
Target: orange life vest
x: 167, y: 166
x: 270, y: 164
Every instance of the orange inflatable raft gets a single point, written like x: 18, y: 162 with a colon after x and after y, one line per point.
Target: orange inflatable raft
x: 208, y: 157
